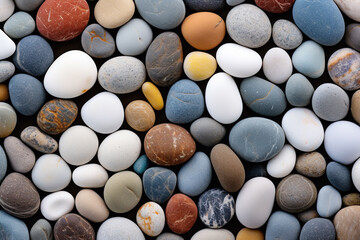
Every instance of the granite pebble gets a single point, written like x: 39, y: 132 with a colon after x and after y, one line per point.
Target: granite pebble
x: 318, y: 228
x: 311, y: 164
x: 286, y: 34
x: 7, y: 70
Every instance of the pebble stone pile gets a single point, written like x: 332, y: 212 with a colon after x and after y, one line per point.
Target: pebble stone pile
x: 180, y: 119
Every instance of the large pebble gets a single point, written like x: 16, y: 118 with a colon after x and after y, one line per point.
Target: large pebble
x: 352, y: 36
x: 286, y: 34
x: 213, y: 234
x: 169, y: 236
x: 204, y: 5
x: 3, y: 164
x: 282, y: 225
x: 299, y: 90
x: 350, y: 8
x: 8, y: 119
x: 140, y: 115
x: 19, y: 25
x: 151, y: 219
x: 265, y: 137
x: 7, y: 9
x: 119, y: 228
x: 207, y: 131
x: 73, y: 226
x: 328, y: 201
x: 56, y: 204
x: 199, y: 65
x: 91, y: 206
x: 311, y: 164
x: 103, y: 113
x: 255, y: 201
x: 346, y: 223
x: 275, y: 6
x: 28, y: 6
x: 277, y: 65
x: 41, y: 230
x: 355, y: 174
x: 8, y: 46
x: 283, y: 163
x: 12, y: 227
x: 38, y: 140
x: 113, y: 13
x: 21, y: 157
x: 318, y: 228
x: 83, y: 176
x: 7, y: 69
x: 97, y: 42
x: 339, y: 176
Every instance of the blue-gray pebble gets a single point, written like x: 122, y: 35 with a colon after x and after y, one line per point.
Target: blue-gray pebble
x: 184, y: 102
x: 352, y: 36
x: 3, y: 164
x: 204, y: 5
x: 328, y: 201
x: 159, y: 184
x: 141, y: 164
x: 282, y: 226
x: 12, y: 228
x: 195, y: 175
x: 318, y: 229
x: 33, y: 55
x: 263, y: 97
x: 207, y: 131
x: 298, y: 90
x: 256, y: 139
x: 339, y: 176
x: 19, y: 25
x: 41, y: 230
x: 27, y: 94
x: 28, y: 5
x: 254, y: 170
x: 216, y: 208
x: 7, y: 69
x: 97, y: 42
x: 286, y: 34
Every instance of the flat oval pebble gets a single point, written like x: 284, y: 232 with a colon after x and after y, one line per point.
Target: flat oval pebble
x: 151, y: 219
x: 122, y: 191
x: 355, y: 174
x: 153, y: 95
x: 213, y: 234
x: 28, y: 6
x: 56, y: 204
x: 83, y: 176
x: 51, y: 173
x: 355, y: 106
x: 255, y: 202
x: 282, y: 225
x: 91, y: 206
x: 141, y: 164
x: 220, y: 93
x: 62, y: 21
x: 8, y: 46
x: 12, y: 227
x: 313, y: 17
x: 119, y: 150
x: 7, y: 9
x: 277, y: 65
x: 7, y: 69
x: 112, y: 13
x: 351, y: 199
x: 275, y: 6
x: 161, y: 14
x: 103, y: 113
x: 41, y: 230
x: 207, y: 131
x: 349, y: 8
x: 184, y: 102
x: 168, y: 144
x: 19, y: 25
x: 140, y: 115
x: 8, y: 119
x: 134, y: 37
x: 204, y: 5
x: 237, y: 60
x: 247, y: 233
x: 352, y: 36
x: 286, y: 34
x: 27, y: 94
x: 295, y: 193
x: 119, y: 227
x: 263, y: 97
x: 199, y: 65
x: 339, y: 176
x: 298, y: 90
x: 3, y: 164
x: 328, y: 201
x: 307, y: 215
x: 20, y: 156
x: 73, y: 226
x: 342, y: 141
x: 164, y: 58
x: 181, y: 213
x: 318, y: 228
x: 38, y: 140
x: 97, y: 42
x: 264, y: 135
x: 283, y: 163
x: 169, y: 236
x: 346, y: 222
x: 311, y: 164
x: 22, y: 203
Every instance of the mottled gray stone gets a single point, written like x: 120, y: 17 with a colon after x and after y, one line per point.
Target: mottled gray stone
x: 7, y: 69
x: 286, y: 34
x: 97, y: 42
x: 28, y: 5
x: 19, y: 25
x: 298, y: 90
x: 38, y: 140
x: 21, y: 157
x: 282, y: 226
x: 41, y: 230
x: 318, y: 228
x: 352, y: 36
x: 207, y: 131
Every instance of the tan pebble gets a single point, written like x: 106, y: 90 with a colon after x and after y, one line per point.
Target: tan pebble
x: 355, y: 106
x: 250, y: 234
x: 351, y: 199
x: 140, y: 115
x: 114, y: 13
x: 91, y: 206
x: 347, y: 222
x: 307, y: 215
x: 4, y: 93
x: 311, y: 164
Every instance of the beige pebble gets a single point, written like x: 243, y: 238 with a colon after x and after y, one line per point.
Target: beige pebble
x: 355, y: 106
x: 140, y: 115
x: 311, y: 164
x: 91, y: 206
x: 114, y: 13
x: 307, y: 215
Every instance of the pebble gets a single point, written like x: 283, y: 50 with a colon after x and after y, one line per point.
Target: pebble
x: 255, y: 202
x: 153, y: 95
x: 56, y: 204
x: 351, y: 199
x: 283, y: 163
x: 238, y: 61
x: 134, y: 37
x: 12, y: 227
x: 199, y: 66
x: 73, y: 226
x: 168, y: 144
x: 352, y: 36
x: 286, y: 34
x: 254, y: 170
x: 103, y: 113
x: 344, y: 68
x: 190, y: 182
x: 303, y: 129
x: 119, y: 150
x: 328, y: 201
x: 299, y: 90
x: 83, y: 176
x: 62, y: 21
x: 8, y: 46
x: 248, y: 26
x: 339, y: 176
x: 213, y: 234
x: 27, y: 94
x: 7, y: 9
x: 141, y: 164
x: 295, y: 193
x: 282, y: 225
x: 263, y: 97
x: 123, y: 191
x: 274, y: 6
x: 72, y: 74
x: 162, y: 14
x: 19, y: 25
x: 8, y: 119
x: 181, y: 213
x: 151, y: 219
x: 313, y: 18
x: 207, y: 131
x: 277, y: 65
x: 41, y: 230
x: 311, y: 164
x: 4, y: 93
x: 355, y: 174
x: 264, y: 135
x: 203, y: 30
x: 184, y: 102
x: 28, y: 6
x: 22, y: 203
x: 309, y: 59
x: 3, y: 164
x: 307, y: 215
x: 342, y: 140
x: 7, y: 69
x: 318, y: 228
x: 20, y: 156
x: 216, y: 208
x: 51, y: 173
x: 97, y: 42
x: 247, y: 233
x: 349, y: 8
x: 220, y: 93
x: 38, y: 140
x: 119, y: 228
x: 112, y: 13
x: 355, y: 106
x: 140, y: 115
x: 346, y: 223
x: 164, y: 58
x: 56, y: 116
x: 205, y: 5
x: 234, y: 2
x: 169, y: 236
x: 228, y: 167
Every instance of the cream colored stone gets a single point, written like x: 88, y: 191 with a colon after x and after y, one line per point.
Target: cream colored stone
x: 91, y: 206
x: 113, y: 13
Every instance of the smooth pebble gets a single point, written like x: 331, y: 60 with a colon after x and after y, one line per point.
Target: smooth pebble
x: 141, y: 164
x: 352, y: 36
x: 339, y: 176
x: 57, y: 204
x: 7, y: 70
x: 3, y: 164
x: 318, y: 228
x: 328, y: 201
x: 153, y: 95
x: 12, y: 227
x: 298, y: 90
x: 20, y: 156
x: 119, y: 227
x: 199, y: 66
x: 213, y: 234
x: 73, y: 226
x: 140, y: 115
x: 277, y: 65
x: 112, y: 13
x: 311, y: 164
x: 151, y: 219
x: 355, y: 174
x: 8, y: 46
x: 207, y: 131
x: 97, y: 42
x: 350, y: 8
x: 283, y: 163
x: 91, y: 206
x: 7, y: 9
x: 83, y: 176
x: 19, y: 25
x: 38, y: 140
x: 282, y: 226
x: 8, y: 119
x: 286, y: 34
x: 41, y: 230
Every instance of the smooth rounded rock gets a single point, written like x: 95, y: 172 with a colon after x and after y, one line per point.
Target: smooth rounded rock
x: 328, y: 201
x: 351, y: 199
x: 7, y: 9
x: 346, y: 222
x: 7, y: 70
x: 119, y: 227
x: 151, y: 219
x: 199, y: 66
x: 141, y: 164
x: 307, y: 215
x: 352, y: 36
x: 91, y: 206
x: 277, y: 65
x: 213, y: 234
x: 19, y: 25
x: 153, y: 95
x: 97, y: 42
x: 3, y: 164
x: 56, y: 204
x: 4, y: 93
x: 8, y: 119
x: 12, y: 227
x: 282, y: 225
x: 112, y: 13
x: 298, y: 90
x: 38, y: 140
x: 28, y: 6
x: 21, y: 157
x: 339, y: 176
x: 318, y: 228
x: 140, y: 115
x: 247, y: 233
x: 349, y: 8
x: 355, y: 174
x: 169, y: 236
x: 83, y: 176
x: 311, y: 164
x: 204, y: 5
x: 355, y: 106
x: 286, y: 34
x: 8, y: 46
x: 207, y: 131
x: 283, y: 163
x: 275, y: 6
x: 41, y: 230
x: 73, y: 226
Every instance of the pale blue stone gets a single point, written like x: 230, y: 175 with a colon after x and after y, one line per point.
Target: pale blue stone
x: 282, y: 226
x: 298, y: 90
x: 12, y: 228
x: 328, y: 201
x: 19, y: 25
x: 3, y: 163
x: 141, y: 164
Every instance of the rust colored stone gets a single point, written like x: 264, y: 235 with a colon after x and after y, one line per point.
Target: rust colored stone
x: 347, y: 222
x: 73, y: 227
x: 275, y: 6
x: 169, y: 144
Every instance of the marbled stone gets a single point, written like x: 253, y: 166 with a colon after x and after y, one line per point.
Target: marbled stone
x: 19, y: 25
x: 207, y: 131
x: 21, y: 157
x: 73, y: 227
x: 351, y: 199
x: 282, y: 226
x: 286, y: 34
x: 298, y: 90
x: 328, y: 201
x: 113, y: 13
x: 339, y: 176
x: 7, y: 69
x: 275, y: 6
x: 8, y: 119
x: 41, y: 230
x: 318, y: 228
x: 151, y: 219
x: 38, y: 140
x: 97, y: 42
x: 140, y: 115
x: 204, y: 5
x: 352, y: 36
x: 311, y: 164
x: 3, y: 164
x: 141, y: 164
x: 346, y: 223
x: 119, y: 228
x: 12, y: 227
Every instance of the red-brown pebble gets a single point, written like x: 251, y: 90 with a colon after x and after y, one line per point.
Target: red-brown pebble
x: 275, y: 6
x: 73, y: 227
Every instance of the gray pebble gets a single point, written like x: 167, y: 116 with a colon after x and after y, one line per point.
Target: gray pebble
x: 19, y: 25
x: 3, y: 163
x: 41, y: 230
x: 207, y: 131
x: 21, y: 157
x: 298, y: 90
x: 97, y: 42
x: 38, y: 140
x: 169, y: 236
x: 352, y: 36
x: 234, y: 2
x: 7, y: 69
x: 286, y: 34
x: 28, y: 5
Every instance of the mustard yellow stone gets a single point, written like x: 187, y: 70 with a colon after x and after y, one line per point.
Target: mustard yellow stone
x: 250, y: 234
x: 199, y: 66
x: 153, y: 95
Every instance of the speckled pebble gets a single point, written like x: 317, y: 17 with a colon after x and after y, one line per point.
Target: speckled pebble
x: 140, y: 115
x: 286, y: 34
x: 119, y: 227
x: 311, y: 164
x: 38, y: 140
x: 7, y: 69
x: 97, y: 42
x: 20, y: 156
x: 318, y: 228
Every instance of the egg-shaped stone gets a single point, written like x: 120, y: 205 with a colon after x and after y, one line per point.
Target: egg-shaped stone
x: 91, y: 206
x: 283, y: 163
x: 277, y: 65
x: 151, y: 219
x: 83, y: 176
x: 199, y: 65
x: 140, y: 115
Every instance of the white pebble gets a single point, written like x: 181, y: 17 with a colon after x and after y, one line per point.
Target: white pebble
x: 90, y: 176
x: 57, y: 204
x: 213, y: 234
x: 7, y: 8
x: 8, y: 46
x: 355, y: 174
x: 277, y: 65
x: 283, y: 163
x: 151, y: 219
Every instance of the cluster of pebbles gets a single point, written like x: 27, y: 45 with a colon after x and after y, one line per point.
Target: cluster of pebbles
x: 180, y: 119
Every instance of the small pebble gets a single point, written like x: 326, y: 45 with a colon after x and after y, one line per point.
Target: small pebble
x: 97, y: 42
x: 7, y: 9
x: 318, y: 228
x: 141, y: 164
x: 277, y: 65
x: 282, y: 225
x: 311, y: 164
x: 38, y: 140
x: 8, y: 46
x: 73, y: 226
x: 91, y: 206
x: 20, y: 156
x: 286, y: 34
x: 83, y: 176
x: 283, y: 163
x: 119, y: 228
x: 140, y: 115
x: 352, y: 36
x: 19, y: 25
x: 307, y: 215
x: 8, y: 119
x: 213, y: 234
x: 339, y: 176
x: 247, y: 233
x: 298, y: 90
x: 56, y: 204
x: 7, y: 70
x: 153, y: 95
x: 328, y: 201
x: 112, y: 13
x: 151, y: 219
x: 41, y: 230
x: 199, y: 66
x: 12, y: 227
x: 351, y: 199
x: 207, y: 131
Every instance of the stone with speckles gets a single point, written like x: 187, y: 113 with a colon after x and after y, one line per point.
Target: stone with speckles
x: 151, y: 219
x: 72, y: 226
x: 38, y: 140
x: 97, y: 42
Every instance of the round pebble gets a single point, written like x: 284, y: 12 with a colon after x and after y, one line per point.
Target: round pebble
x: 282, y: 225
x: 20, y: 156
x: 298, y: 90
x: 7, y: 9
x: 213, y: 234
x: 140, y: 115
x: 8, y: 119
x: 352, y: 36
x: 7, y: 69
x: 339, y: 176
x: 274, y: 6
x: 97, y: 42
x: 141, y: 164
x: 311, y: 164
x: 286, y: 34
x: 56, y: 204
x: 283, y: 163
x: 73, y: 226
x: 247, y: 233
x: 207, y: 131
x: 151, y: 219
x: 277, y: 65
x: 41, y: 230
x: 119, y: 227
x: 153, y: 95
x: 83, y: 176
x: 318, y: 228
x: 12, y: 227
x: 91, y: 206
x: 199, y: 66
x: 112, y: 13
x: 19, y: 25
x: 328, y: 201
x: 8, y: 46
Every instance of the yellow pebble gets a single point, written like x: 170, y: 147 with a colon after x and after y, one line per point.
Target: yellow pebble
x: 153, y: 95
x: 199, y: 66
x: 4, y: 93
x: 250, y: 234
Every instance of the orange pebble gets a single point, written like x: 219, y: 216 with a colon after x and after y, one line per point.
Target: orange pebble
x: 4, y: 93
x: 250, y: 234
